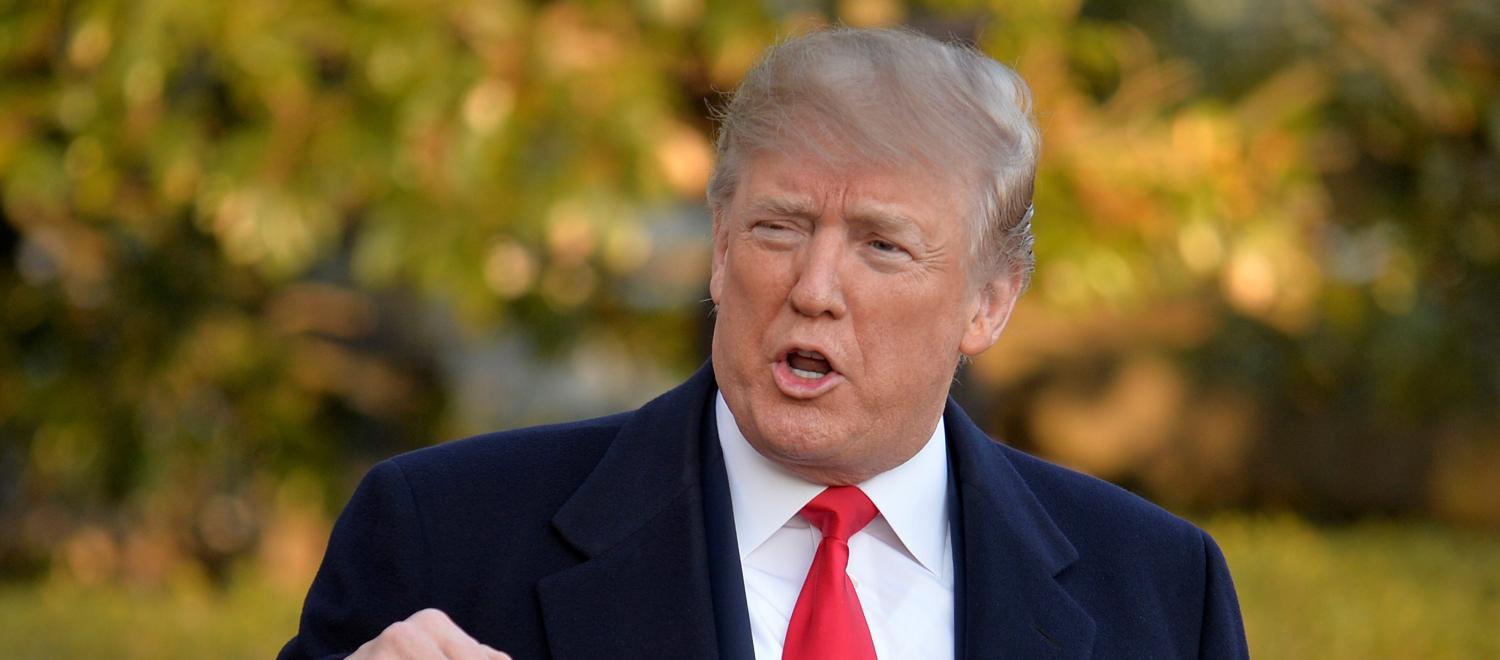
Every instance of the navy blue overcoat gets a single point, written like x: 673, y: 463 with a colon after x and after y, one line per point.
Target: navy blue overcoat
x: 614, y: 537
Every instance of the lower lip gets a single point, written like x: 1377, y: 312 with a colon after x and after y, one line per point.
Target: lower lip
x: 798, y: 387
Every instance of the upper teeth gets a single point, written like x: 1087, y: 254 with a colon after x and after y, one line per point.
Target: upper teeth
x: 810, y: 354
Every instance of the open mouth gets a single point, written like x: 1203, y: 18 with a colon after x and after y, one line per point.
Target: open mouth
x: 805, y: 374
x: 809, y: 365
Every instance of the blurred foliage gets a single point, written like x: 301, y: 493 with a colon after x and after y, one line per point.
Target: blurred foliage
x: 1370, y: 590
x: 1374, y: 590
x: 184, y: 618
x: 1270, y: 236
x: 228, y: 228
x: 248, y: 247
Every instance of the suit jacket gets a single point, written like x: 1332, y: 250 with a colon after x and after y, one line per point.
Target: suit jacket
x: 613, y: 537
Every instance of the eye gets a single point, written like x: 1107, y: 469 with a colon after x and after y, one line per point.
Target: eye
x: 776, y: 228
x: 775, y: 233
x: 886, y: 247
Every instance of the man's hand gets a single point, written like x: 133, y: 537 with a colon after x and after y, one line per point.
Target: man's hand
x: 428, y: 634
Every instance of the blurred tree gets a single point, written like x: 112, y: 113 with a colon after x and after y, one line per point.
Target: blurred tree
x: 253, y: 244
x: 228, y: 225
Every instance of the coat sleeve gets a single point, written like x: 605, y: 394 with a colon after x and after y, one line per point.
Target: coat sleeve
x: 1222, y: 634
x: 374, y: 572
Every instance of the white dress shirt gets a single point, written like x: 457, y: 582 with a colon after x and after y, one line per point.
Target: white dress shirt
x: 901, y: 564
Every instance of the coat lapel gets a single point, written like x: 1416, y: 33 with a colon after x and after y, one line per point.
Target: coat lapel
x: 1009, y: 600
x: 643, y: 589
x: 731, y: 611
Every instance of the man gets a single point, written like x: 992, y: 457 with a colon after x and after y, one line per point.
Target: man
x: 813, y: 492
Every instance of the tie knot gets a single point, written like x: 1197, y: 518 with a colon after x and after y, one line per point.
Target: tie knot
x: 840, y: 511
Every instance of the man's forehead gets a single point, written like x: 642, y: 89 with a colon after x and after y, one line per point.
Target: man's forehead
x: 799, y: 188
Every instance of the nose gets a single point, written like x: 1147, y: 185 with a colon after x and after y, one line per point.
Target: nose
x: 818, y: 290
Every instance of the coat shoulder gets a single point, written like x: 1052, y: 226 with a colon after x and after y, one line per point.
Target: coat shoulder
x: 1137, y: 562
x: 533, y: 468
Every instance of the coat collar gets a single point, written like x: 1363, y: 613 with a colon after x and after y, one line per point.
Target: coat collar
x: 643, y: 589
x: 653, y: 461
x: 1010, y: 553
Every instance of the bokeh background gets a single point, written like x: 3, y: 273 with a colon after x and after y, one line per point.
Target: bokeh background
x: 249, y: 248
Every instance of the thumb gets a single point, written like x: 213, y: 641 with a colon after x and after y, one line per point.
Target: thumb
x: 492, y: 654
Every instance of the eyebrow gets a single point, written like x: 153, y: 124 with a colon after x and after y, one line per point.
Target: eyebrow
x: 888, y: 221
x: 784, y: 206
x: 878, y: 215
x: 882, y: 218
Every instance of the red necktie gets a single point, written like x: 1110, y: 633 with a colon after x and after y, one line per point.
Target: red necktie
x: 828, y: 623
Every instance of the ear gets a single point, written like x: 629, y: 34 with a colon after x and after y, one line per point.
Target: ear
x: 996, y: 299
x: 721, y: 252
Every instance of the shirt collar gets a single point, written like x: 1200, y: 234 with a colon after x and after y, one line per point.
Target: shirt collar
x: 912, y: 497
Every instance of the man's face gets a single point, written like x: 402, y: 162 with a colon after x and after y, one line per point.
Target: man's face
x: 845, y: 298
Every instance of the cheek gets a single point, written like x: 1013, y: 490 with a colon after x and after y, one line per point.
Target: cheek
x: 907, y: 334
x: 755, y: 281
x: 749, y: 294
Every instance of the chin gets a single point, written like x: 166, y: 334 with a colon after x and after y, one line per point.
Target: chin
x: 798, y: 433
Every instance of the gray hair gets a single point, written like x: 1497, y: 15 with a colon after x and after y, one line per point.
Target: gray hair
x: 895, y: 96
